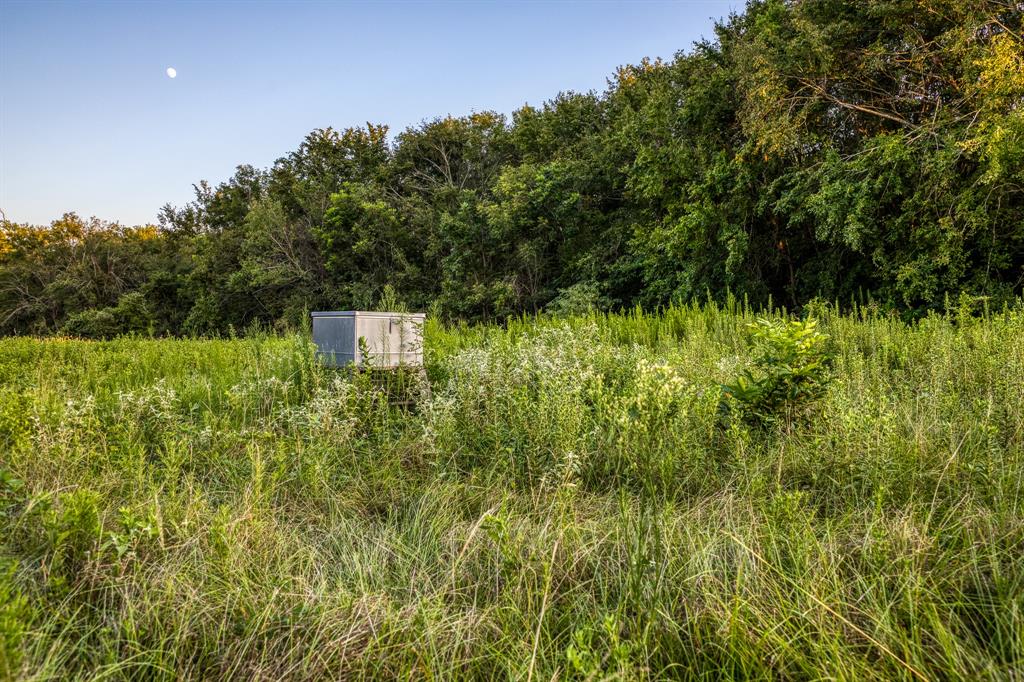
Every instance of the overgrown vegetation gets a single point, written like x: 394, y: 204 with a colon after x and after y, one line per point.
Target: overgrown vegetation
x: 842, y: 149
x: 569, y: 503
x: 792, y: 365
x: 600, y: 492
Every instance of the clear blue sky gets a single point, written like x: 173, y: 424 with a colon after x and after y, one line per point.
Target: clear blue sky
x: 90, y: 122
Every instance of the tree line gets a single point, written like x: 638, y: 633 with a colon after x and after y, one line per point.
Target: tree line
x: 834, y: 149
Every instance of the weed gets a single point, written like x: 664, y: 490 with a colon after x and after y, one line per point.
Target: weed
x: 566, y: 504
x: 791, y: 372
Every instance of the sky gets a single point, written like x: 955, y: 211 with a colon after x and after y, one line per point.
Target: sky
x: 90, y: 121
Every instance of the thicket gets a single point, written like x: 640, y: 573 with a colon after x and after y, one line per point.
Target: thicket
x: 569, y: 503
x: 835, y: 149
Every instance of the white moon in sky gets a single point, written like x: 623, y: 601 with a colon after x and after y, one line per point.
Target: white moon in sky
x: 171, y: 72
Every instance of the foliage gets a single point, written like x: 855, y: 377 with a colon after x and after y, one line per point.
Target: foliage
x: 837, y: 149
x: 390, y: 302
x: 15, y: 615
x: 130, y: 315
x: 578, y: 299
x: 566, y: 503
x: 792, y: 372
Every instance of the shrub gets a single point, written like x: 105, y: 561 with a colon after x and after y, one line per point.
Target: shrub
x: 791, y: 372
x: 579, y: 299
x: 92, y: 324
x: 131, y: 314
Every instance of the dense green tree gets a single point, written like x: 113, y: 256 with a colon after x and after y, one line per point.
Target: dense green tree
x: 48, y: 273
x: 812, y: 148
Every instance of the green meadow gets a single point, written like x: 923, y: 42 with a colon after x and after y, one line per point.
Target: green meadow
x: 575, y: 499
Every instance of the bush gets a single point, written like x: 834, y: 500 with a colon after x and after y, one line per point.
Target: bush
x: 579, y: 299
x: 792, y: 372
x: 131, y: 315
x: 92, y: 324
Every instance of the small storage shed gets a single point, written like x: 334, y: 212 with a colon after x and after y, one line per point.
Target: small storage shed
x: 392, y: 339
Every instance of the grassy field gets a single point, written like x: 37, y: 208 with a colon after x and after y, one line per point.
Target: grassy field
x: 570, y: 503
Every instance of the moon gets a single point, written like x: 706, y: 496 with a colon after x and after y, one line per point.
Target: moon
x: 171, y: 72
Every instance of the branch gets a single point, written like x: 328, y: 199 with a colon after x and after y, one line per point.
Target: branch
x: 857, y: 107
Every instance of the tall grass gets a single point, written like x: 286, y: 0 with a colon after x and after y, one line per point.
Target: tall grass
x: 569, y: 503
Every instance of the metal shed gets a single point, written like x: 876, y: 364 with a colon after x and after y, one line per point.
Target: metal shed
x: 393, y: 339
